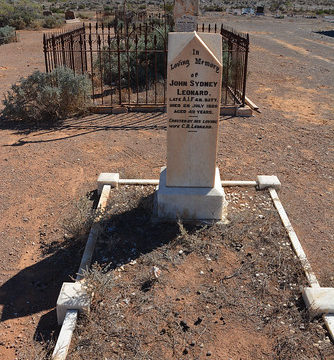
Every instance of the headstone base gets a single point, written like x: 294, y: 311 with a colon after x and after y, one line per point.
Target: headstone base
x: 190, y: 203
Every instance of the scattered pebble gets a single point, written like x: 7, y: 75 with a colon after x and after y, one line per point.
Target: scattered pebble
x: 156, y: 272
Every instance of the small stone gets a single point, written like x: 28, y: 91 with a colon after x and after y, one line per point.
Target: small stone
x: 208, y: 353
x: 201, y: 345
x: 180, y: 252
x: 156, y: 272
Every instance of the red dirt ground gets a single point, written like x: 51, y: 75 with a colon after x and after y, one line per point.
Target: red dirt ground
x: 44, y: 173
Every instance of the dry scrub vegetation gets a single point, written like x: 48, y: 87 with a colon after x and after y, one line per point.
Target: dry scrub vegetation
x: 172, y: 291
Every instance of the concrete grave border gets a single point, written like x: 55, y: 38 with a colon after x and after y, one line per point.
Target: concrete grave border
x: 318, y: 300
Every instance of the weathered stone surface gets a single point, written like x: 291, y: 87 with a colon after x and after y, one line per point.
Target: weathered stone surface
x: 72, y: 296
x: 319, y: 300
x: 69, y: 15
x: 268, y: 181
x: 111, y: 179
x: 185, y: 15
x: 193, y: 105
x: 190, y: 203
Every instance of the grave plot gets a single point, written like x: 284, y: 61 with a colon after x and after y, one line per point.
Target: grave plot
x: 178, y: 274
x: 178, y: 291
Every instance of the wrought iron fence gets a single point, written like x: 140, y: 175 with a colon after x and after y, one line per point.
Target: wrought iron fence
x: 235, y: 61
x: 127, y: 64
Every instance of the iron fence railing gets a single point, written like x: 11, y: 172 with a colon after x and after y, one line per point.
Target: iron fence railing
x: 235, y: 61
x: 127, y: 63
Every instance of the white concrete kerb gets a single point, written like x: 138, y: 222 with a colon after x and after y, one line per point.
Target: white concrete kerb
x: 113, y: 179
x: 318, y: 300
x: 72, y: 297
x: 108, y: 180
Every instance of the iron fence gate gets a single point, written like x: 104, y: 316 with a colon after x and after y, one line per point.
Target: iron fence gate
x: 127, y: 64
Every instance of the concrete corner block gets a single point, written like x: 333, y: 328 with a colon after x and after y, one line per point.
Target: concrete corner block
x: 319, y: 301
x: 72, y: 296
x: 111, y: 179
x: 268, y: 181
x: 244, y: 111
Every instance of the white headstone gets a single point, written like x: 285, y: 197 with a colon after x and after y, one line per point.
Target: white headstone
x: 190, y: 187
x: 185, y: 15
x: 193, y: 106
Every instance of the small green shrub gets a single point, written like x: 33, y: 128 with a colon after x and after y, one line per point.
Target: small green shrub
x: 134, y: 69
x: 7, y: 35
x: 47, y: 97
x: 54, y: 21
x: 21, y: 15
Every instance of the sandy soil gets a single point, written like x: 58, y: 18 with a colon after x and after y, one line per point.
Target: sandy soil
x: 44, y: 173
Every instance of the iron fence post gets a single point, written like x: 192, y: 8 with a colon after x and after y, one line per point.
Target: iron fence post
x: 45, y: 49
x: 245, y: 72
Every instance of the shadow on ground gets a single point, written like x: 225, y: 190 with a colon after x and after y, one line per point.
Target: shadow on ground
x: 36, y: 288
x: 75, y: 127
x: 129, y: 230
x: 78, y: 126
x: 329, y: 33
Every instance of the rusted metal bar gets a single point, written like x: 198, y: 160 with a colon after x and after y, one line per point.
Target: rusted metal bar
x: 110, y: 67
x: 85, y: 48
x: 45, y: 49
x: 245, y: 73
x: 165, y: 67
x: 146, y: 66
x: 63, y: 50
x: 155, y: 69
x: 119, y: 69
x: 91, y: 62
x: 137, y: 82
x: 54, y: 51
x: 81, y: 54
x: 72, y: 53
x: 100, y: 65
x: 127, y: 46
